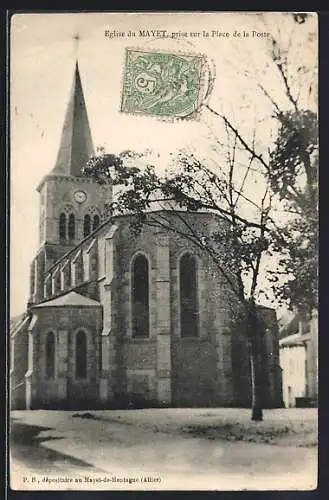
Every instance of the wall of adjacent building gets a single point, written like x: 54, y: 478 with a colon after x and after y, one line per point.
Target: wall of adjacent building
x: 312, y: 357
x: 292, y: 361
x: 299, y: 361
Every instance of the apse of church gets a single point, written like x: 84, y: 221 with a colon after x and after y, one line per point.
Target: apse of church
x: 116, y: 319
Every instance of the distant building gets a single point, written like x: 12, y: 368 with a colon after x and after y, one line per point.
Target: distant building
x: 299, y: 360
x: 115, y: 318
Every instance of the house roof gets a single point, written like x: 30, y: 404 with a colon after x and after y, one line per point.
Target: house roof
x: 69, y: 299
x: 293, y: 340
x: 293, y: 327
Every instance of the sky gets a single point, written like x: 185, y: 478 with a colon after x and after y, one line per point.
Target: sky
x: 42, y: 59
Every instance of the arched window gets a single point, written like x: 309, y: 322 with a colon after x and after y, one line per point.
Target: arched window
x: 86, y: 225
x: 81, y: 355
x: 95, y: 222
x: 140, y: 297
x: 62, y: 226
x: 50, y: 356
x: 188, y: 296
x: 71, y: 227
x: 57, y: 282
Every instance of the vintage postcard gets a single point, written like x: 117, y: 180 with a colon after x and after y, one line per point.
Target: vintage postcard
x: 164, y: 217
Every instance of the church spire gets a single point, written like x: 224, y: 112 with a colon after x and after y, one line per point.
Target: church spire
x: 76, y: 145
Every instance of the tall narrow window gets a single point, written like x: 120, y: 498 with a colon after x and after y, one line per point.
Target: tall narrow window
x: 81, y: 355
x: 50, y: 356
x: 86, y: 225
x: 188, y: 296
x: 95, y: 222
x: 62, y: 226
x: 71, y: 227
x: 57, y: 282
x: 140, y: 297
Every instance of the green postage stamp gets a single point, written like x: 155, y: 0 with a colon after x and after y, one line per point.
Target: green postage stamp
x: 161, y: 84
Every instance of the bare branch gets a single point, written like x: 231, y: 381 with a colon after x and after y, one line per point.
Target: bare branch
x: 196, y: 240
x: 246, y: 146
x: 266, y: 93
x: 277, y: 58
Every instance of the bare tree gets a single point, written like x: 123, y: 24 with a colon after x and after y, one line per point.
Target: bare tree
x: 250, y: 172
x: 236, y: 246
x: 290, y: 157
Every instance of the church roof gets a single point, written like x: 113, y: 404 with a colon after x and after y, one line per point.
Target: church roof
x: 76, y: 145
x: 17, y: 325
x: 69, y: 299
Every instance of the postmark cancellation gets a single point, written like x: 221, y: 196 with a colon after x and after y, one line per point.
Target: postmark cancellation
x: 162, y: 84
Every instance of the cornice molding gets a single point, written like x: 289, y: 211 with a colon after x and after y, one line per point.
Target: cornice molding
x: 65, y: 179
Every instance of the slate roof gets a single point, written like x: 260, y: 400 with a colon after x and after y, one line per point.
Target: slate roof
x: 292, y: 327
x: 76, y: 145
x: 293, y: 340
x: 69, y: 299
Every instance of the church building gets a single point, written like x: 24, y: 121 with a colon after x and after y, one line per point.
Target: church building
x: 118, y: 319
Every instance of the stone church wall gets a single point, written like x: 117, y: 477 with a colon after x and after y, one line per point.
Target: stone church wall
x: 60, y: 193
x: 273, y: 387
x: 201, y: 366
x: 65, y: 390
x: 211, y: 369
x: 194, y: 380
x: 18, y: 367
x: 199, y: 370
x: 135, y: 360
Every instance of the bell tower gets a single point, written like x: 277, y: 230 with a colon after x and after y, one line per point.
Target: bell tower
x: 71, y: 205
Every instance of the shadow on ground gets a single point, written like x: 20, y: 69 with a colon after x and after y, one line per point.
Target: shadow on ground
x: 26, y: 447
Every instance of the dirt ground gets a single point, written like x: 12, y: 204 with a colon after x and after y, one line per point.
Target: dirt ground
x: 180, y: 449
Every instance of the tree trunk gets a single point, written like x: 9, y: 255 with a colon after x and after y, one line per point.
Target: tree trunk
x: 254, y: 336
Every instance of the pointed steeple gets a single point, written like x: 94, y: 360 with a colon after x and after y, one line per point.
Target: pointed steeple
x: 76, y: 145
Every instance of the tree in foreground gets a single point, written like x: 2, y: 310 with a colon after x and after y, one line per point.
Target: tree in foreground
x: 289, y: 156
x: 295, y: 157
x: 243, y: 186
x: 237, y: 243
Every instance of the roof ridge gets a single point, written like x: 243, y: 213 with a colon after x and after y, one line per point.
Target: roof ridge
x: 71, y: 298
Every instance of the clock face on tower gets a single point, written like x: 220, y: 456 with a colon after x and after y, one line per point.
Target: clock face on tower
x: 80, y: 196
